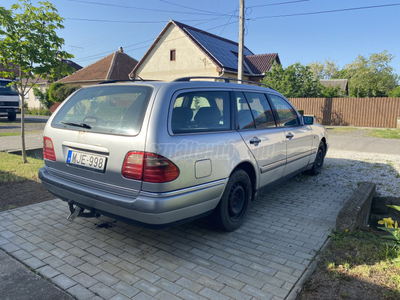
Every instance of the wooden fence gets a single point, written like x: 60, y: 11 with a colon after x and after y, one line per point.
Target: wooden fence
x: 362, y: 112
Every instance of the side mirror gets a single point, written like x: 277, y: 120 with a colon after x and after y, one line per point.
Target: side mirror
x: 308, y: 120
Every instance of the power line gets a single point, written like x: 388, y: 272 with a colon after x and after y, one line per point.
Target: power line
x: 128, y: 22
x: 229, y: 19
x: 325, y: 11
x: 196, y: 9
x: 278, y: 3
x: 254, y: 19
x: 228, y: 14
x: 142, y: 8
x: 115, y: 21
x: 99, y: 55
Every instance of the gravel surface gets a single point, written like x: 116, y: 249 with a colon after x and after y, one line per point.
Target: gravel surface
x: 347, y: 168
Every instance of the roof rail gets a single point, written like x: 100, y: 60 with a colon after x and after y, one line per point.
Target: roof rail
x: 225, y: 79
x: 114, y: 81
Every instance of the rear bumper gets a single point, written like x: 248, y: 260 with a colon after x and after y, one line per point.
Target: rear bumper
x: 146, y: 208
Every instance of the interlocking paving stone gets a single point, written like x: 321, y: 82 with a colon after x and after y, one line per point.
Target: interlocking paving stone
x: 262, y: 260
x: 80, y: 292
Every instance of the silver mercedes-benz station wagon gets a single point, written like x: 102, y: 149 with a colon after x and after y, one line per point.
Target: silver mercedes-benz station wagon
x: 162, y: 153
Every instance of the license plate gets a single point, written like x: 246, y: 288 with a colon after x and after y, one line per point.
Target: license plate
x: 86, y: 160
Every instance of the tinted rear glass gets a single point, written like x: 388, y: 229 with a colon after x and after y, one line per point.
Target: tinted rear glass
x: 105, y: 109
x: 5, y: 89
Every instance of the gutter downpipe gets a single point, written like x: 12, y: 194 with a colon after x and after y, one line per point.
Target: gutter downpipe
x: 223, y: 72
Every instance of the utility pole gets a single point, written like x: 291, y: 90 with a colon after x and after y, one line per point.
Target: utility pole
x: 241, y: 40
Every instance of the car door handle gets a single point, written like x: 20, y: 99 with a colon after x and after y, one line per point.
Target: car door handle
x: 289, y: 135
x: 255, y: 140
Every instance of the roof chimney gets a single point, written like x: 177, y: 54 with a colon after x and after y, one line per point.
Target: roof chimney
x: 120, y: 49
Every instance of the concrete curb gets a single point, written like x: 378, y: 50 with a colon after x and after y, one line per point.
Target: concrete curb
x: 355, y: 212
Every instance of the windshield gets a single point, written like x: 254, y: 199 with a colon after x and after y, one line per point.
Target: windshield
x: 7, y: 90
x: 105, y: 109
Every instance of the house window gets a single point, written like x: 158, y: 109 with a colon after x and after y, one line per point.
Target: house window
x: 172, y: 55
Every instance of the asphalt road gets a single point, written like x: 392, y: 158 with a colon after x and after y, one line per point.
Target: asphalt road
x: 358, y: 141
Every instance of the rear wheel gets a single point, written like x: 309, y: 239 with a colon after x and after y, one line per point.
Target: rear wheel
x: 234, y: 204
x: 319, y: 160
x: 12, y: 117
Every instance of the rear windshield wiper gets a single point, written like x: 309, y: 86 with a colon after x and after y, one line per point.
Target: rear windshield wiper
x: 83, y: 125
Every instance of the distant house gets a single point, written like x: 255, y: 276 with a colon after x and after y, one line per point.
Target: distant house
x: 341, y: 83
x: 115, y: 66
x: 181, y: 50
x: 42, y: 84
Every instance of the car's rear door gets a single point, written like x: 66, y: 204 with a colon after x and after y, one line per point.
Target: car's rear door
x: 259, y: 131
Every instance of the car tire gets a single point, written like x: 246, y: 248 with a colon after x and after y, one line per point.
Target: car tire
x: 235, y: 202
x: 319, y: 160
x: 12, y: 117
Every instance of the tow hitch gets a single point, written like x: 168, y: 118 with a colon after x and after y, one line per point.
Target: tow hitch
x: 78, y: 211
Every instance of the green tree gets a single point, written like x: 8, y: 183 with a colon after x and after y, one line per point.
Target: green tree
x: 43, y: 97
x: 58, y: 91
x: 395, y: 93
x: 29, y: 41
x: 326, y: 70
x: 332, y: 92
x: 370, y: 77
x: 52, y: 89
x: 295, y: 81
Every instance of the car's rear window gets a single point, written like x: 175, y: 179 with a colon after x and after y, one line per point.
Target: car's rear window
x: 105, y: 109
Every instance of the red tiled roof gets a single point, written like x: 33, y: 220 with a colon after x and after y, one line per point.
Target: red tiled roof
x: 115, y: 66
x: 261, y: 63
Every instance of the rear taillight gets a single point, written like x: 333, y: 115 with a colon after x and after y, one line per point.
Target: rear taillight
x: 133, y: 166
x: 48, y: 149
x: 149, y: 167
x: 159, y: 169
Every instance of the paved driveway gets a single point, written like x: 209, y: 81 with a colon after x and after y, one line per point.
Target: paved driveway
x: 104, y: 259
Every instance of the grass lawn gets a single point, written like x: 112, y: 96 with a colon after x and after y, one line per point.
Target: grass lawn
x: 356, y: 266
x: 17, y: 133
x: 341, y: 129
x: 387, y: 133
x: 12, y: 169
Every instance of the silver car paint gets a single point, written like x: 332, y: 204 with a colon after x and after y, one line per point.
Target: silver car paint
x: 189, y: 195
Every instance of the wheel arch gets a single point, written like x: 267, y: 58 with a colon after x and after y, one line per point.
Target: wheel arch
x: 249, y: 169
x: 323, y: 140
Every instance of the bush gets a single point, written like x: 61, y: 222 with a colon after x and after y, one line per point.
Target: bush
x: 395, y: 93
x: 58, y: 91
x: 43, y: 97
x: 38, y: 112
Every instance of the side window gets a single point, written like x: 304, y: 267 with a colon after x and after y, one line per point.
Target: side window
x: 245, y: 118
x: 261, y: 110
x: 287, y: 115
x: 201, y: 112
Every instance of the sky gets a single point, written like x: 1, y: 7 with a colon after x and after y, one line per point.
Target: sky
x: 302, y: 31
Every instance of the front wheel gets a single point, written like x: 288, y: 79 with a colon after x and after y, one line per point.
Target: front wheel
x: 319, y: 160
x: 234, y: 204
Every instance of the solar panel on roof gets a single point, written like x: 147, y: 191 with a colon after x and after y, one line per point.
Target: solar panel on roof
x: 223, y: 51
